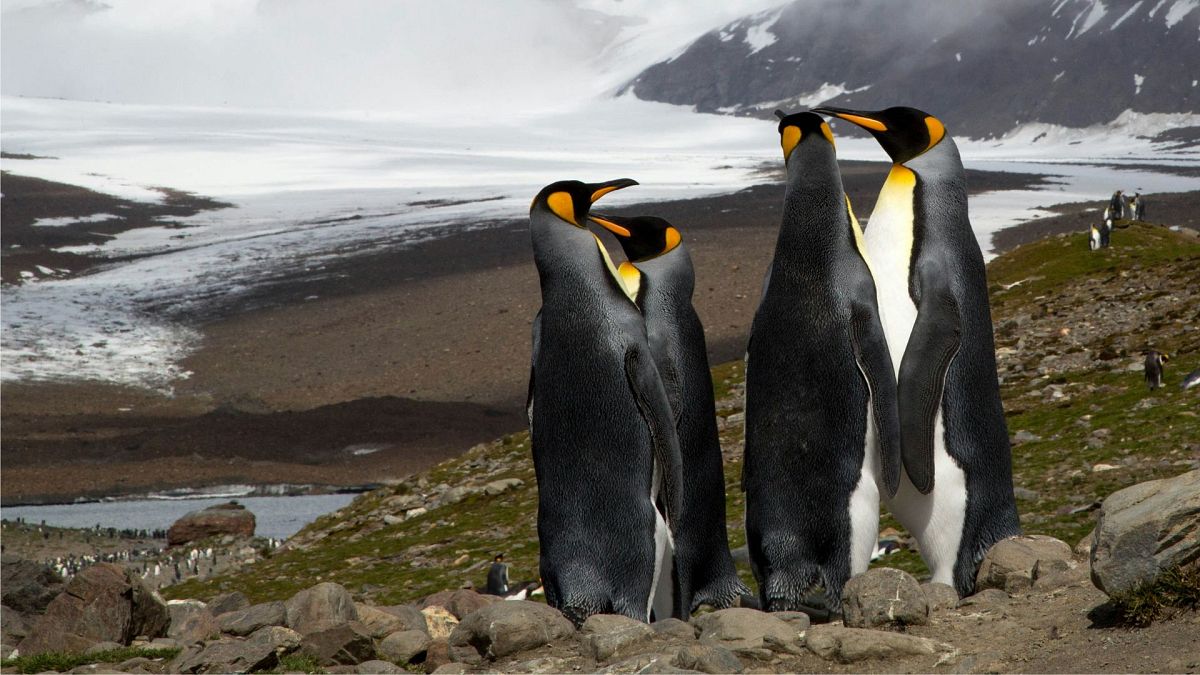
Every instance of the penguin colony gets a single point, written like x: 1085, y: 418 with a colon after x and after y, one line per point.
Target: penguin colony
x: 870, y: 374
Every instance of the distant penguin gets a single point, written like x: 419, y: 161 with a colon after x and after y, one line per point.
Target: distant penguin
x: 1094, y: 238
x: 524, y: 591
x: 1116, y: 206
x: 497, y: 578
x: 1139, y: 206
x: 1106, y: 233
x: 660, y: 273
x: 956, y: 495
x: 1192, y: 379
x: 605, y: 451
x: 822, y: 432
x: 1154, y: 369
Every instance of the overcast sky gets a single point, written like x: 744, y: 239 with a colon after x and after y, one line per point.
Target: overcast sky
x: 436, y: 55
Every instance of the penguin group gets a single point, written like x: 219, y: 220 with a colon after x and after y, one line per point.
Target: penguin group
x: 1119, y: 208
x: 870, y: 376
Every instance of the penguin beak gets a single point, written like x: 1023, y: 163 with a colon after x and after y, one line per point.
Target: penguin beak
x: 611, y: 224
x: 866, y: 119
x: 601, y: 189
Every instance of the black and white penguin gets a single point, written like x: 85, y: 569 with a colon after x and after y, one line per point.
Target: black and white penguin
x: 497, y: 578
x: 659, y: 272
x: 956, y: 495
x: 1106, y: 233
x: 1094, y: 238
x: 1154, y: 368
x: 605, y: 451
x: 822, y: 432
x: 1192, y: 379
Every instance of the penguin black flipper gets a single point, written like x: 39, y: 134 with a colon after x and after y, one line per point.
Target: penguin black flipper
x: 875, y: 361
x: 934, y: 341
x: 647, y: 389
x: 537, y: 343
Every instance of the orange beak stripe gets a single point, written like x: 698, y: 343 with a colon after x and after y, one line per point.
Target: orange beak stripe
x: 864, y: 122
x: 611, y: 227
x: 603, y: 191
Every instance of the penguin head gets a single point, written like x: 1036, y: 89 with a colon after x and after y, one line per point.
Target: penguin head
x: 571, y: 200
x: 903, y: 132
x: 641, y: 237
x: 799, y: 127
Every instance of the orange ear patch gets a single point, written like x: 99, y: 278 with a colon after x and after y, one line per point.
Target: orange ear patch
x: 789, y: 138
x: 563, y: 206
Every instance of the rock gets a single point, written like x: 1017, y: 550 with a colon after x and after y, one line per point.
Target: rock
x: 101, y: 647
x: 1083, y: 549
x: 410, y: 617
x: 1025, y: 494
x: 345, y: 644
x: 604, y: 635
x: 191, y: 622
x: 1144, y: 530
x: 939, y: 596
x: 741, y: 628
x: 1024, y: 436
x: 14, y: 627
x: 674, y: 629
x: 460, y: 602
x: 797, y: 620
x: 228, y: 602
x: 379, y: 623
x: 849, y: 645
x: 102, y: 603
x: 708, y: 659
x: 439, y: 622
x: 231, y: 518
x: 542, y: 664
x: 261, y: 651
x: 646, y: 663
x: 438, y: 654
x: 502, y: 485
x: 507, y: 628
x: 405, y: 646
x: 246, y: 621
x: 383, y: 667
x: 455, y: 495
x: 1011, y: 562
x: 988, y: 596
x: 450, y: 669
x: 884, y: 597
x: 320, y: 608
x: 27, y: 586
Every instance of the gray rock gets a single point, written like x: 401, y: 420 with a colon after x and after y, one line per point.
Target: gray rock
x: 405, y: 646
x: 939, y: 596
x: 1024, y: 436
x: 797, y: 620
x: 604, y: 635
x: 849, y: 645
x: 502, y: 485
x: 884, y: 597
x: 1025, y: 494
x: 222, y: 519
x: 1144, y: 530
x: 27, y: 586
x: 646, y: 663
x: 410, y: 617
x: 1083, y: 549
x: 319, y: 608
x: 14, y: 627
x: 708, y: 659
x: 246, y: 621
x: 674, y: 629
x: 228, y: 602
x: 450, y: 669
x: 191, y: 622
x: 100, y: 647
x: 102, y: 603
x: 261, y: 651
x: 460, y: 602
x: 376, y: 666
x: 1011, y: 563
x: 347, y: 644
x: 379, y: 623
x: 741, y: 628
x: 543, y: 664
x: 507, y: 628
x: 986, y: 597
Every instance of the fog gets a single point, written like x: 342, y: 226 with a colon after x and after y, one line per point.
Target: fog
x: 436, y: 57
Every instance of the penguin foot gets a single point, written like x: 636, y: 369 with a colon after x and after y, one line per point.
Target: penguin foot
x: 721, y: 595
x: 577, y: 615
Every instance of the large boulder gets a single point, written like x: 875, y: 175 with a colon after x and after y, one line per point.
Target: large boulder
x: 1013, y: 564
x: 231, y: 518
x: 439, y: 622
x: 191, y: 622
x: 405, y: 646
x: 246, y: 621
x: 14, y: 627
x: 708, y: 659
x: 261, y: 651
x: 379, y: 623
x: 27, y: 586
x: 347, y: 644
x: 604, y: 635
x: 410, y: 617
x: 741, y: 629
x: 884, y: 597
x: 460, y: 602
x: 228, y: 602
x: 507, y: 628
x: 319, y: 608
x: 848, y: 645
x: 1144, y: 530
x: 103, y: 603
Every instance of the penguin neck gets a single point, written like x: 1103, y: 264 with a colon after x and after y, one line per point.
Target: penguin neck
x: 572, y: 261
x: 667, y: 281
x: 815, y: 218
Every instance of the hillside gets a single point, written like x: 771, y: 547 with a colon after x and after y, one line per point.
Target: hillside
x: 1070, y: 327
x: 985, y: 67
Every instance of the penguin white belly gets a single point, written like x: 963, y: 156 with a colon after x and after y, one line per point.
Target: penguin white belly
x: 936, y: 519
x: 864, y: 502
x: 662, y: 588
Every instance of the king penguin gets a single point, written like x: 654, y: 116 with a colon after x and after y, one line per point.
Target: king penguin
x: 605, y: 452
x: 822, y: 432
x: 956, y: 494
x: 660, y: 275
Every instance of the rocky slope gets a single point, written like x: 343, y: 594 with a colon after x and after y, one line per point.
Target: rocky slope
x: 985, y: 67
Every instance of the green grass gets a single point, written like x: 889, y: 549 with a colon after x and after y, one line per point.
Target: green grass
x: 449, y: 546
x: 62, y: 661
x: 298, y: 663
x: 1175, y: 590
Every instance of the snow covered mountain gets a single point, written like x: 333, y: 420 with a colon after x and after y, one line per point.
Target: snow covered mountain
x: 983, y: 66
